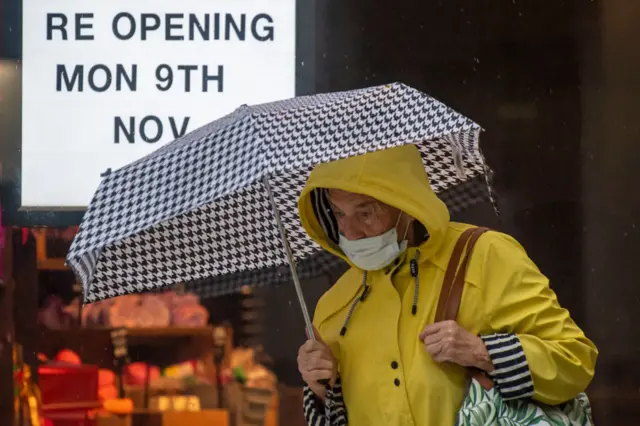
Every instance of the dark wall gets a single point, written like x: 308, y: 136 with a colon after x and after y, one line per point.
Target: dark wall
x: 514, y: 68
x: 610, y: 155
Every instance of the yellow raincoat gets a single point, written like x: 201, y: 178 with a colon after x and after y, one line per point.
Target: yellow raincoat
x: 504, y: 292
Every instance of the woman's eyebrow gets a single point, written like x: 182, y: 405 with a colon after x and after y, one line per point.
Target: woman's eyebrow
x: 366, y: 203
x: 363, y: 204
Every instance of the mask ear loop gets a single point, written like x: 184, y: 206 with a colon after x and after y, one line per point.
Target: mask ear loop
x: 406, y: 229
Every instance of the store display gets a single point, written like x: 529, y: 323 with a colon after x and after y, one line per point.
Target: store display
x: 138, y: 311
x: 189, y: 316
x: 69, y: 385
x: 185, y: 371
x: 249, y: 388
x: 135, y: 374
x: 129, y: 311
x: 53, y: 314
x: 119, y: 406
x: 106, y: 377
x: 68, y: 356
x: 69, y: 418
x: 107, y: 393
x: 107, y: 389
x: 175, y: 403
x: 78, y: 394
x: 244, y: 369
x: 183, y: 393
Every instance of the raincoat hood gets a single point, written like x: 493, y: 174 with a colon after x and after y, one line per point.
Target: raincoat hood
x: 395, y: 176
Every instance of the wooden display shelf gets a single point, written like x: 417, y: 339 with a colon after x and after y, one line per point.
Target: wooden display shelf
x: 158, y: 346
x: 150, y: 335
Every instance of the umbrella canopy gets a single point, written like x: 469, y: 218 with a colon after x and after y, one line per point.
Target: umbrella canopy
x: 203, y: 205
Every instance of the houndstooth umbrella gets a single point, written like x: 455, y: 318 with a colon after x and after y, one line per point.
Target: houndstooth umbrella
x: 214, y: 207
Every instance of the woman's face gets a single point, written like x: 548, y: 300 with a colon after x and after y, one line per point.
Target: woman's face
x: 360, y: 216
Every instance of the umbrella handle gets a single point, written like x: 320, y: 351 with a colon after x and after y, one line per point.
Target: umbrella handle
x: 294, y: 272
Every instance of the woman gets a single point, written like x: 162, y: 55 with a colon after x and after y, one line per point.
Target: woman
x: 386, y: 360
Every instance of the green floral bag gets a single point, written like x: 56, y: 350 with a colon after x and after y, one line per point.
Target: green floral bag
x: 483, y: 405
x: 487, y: 408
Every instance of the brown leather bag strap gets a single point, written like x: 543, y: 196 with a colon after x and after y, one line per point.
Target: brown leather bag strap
x: 450, y: 273
x: 453, y: 285
x: 455, y: 296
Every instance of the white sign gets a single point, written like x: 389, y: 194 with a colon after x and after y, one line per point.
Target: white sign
x: 105, y: 82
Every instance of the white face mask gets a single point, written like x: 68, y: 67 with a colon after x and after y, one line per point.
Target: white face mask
x: 374, y: 253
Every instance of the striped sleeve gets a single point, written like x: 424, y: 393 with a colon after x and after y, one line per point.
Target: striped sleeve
x: 511, y: 376
x: 332, y: 413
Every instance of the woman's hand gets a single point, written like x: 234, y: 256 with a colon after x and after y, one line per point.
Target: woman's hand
x: 446, y: 341
x: 316, y: 362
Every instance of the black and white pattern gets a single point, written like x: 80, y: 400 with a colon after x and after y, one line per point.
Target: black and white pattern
x: 196, y: 209
x: 511, y: 376
x: 332, y: 413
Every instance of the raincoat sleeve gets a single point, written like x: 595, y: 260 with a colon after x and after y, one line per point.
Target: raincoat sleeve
x: 539, y: 351
x: 331, y: 413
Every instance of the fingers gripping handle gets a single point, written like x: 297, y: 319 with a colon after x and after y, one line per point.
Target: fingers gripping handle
x: 315, y: 336
x: 326, y: 383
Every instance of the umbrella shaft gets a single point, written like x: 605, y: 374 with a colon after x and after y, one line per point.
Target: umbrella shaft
x: 290, y: 260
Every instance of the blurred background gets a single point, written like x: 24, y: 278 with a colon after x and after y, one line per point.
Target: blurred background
x: 556, y: 86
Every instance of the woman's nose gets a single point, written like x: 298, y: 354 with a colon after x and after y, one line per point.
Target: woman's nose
x: 351, y: 232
